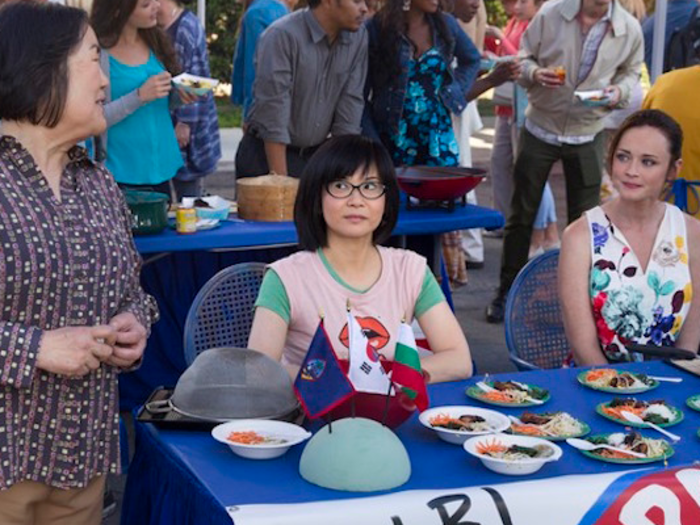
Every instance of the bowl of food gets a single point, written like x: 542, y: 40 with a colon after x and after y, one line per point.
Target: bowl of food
x: 259, y: 438
x: 656, y: 411
x: 512, y: 455
x: 212, y: 207
x: 195, y: 84
x: 553, y: 426
x: 437, y: 183
x: 592, y: 98
x: 616, y: 381
x: 455, y: 424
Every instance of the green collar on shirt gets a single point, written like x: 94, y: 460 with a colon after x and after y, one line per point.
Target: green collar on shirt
x: 335, y: 275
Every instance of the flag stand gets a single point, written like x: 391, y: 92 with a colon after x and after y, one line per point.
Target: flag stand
x: 352, y: 406
x: 386, y: 404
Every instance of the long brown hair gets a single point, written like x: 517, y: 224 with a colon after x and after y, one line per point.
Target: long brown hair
x: 108, y: 18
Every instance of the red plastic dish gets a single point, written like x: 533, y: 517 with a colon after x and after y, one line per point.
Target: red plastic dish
x: 439, y: 184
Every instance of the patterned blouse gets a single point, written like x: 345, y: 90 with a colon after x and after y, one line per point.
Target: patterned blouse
x: 632, y: 306
x: 67, y: 263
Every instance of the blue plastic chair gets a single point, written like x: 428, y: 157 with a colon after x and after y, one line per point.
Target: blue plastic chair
x: 678, y: 195
x: 533, y: 322
x: 222, y: 312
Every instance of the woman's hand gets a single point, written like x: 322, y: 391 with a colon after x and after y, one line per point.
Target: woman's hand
x: 494, y: 32
x: 130, y: 340
x: 75, y: 351
x: 182, y: 133
x: 157, y: 86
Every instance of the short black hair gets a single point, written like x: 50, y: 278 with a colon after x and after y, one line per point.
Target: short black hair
x: 653, y: 118
x: 336, y: 159
x: 35, y: 43
x: 313, y: 4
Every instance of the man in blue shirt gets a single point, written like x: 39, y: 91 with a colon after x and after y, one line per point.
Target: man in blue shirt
x: 677, y: 16
x: 258, y: 16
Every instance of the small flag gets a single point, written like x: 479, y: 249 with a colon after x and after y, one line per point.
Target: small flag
x: 406, y: 371
x: 321, y: 385
x: 365, y: 370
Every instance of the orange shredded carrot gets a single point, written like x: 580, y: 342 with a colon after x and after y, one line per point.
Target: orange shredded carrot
x: 498, y: 396
x: 491, y: 447
x: 594, y: 375
x: 444, y: 419
x: 528, y: 429
x: 246, y: 438
x: 616, y: 412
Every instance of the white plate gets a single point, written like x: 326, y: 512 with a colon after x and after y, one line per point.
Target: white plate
x: 292, y: 435
x: 185, y: 81
x: 521, y: 467
x: 593, y: 97
x: 497, y: 421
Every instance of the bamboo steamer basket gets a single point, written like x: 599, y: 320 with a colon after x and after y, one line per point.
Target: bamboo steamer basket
x: 267, y: 198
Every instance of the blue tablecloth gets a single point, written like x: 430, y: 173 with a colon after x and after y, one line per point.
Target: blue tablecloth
x: 237, y: 233
x: 185, y: 477
x: 189, y: 261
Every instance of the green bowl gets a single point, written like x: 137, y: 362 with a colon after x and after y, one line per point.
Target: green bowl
x: 476, y: 393
x: 652, y: 385
x: 585, y: 429
x: 632, y: 461
x: 678, y: 417
x: 693, y: 402
x: 149, y: 211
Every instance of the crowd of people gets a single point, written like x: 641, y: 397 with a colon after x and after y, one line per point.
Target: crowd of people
x: 338, y: 94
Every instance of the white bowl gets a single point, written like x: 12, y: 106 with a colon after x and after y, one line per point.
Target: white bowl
x: 521, y: 467
x: 292, y: 434
x: 497, y: 421
x: 220, y: 207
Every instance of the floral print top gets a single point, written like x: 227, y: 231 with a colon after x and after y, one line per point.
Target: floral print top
x: 425, y: 136
x: 630, y: 305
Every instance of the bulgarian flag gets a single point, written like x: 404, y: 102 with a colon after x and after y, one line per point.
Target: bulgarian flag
x: 406, y: 371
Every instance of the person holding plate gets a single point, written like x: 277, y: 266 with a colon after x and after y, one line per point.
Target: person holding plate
x: 73, y: 313
x: 347, y: 204
x: 570, y: 45
x: 140, y: 147
x: 628, y: 269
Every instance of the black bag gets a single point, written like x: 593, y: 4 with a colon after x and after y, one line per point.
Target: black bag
x: 684, y: 45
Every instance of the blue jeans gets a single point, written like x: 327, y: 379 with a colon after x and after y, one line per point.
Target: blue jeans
x: 547, y: 212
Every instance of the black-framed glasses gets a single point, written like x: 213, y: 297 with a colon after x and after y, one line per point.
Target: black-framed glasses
x: 369, y: 189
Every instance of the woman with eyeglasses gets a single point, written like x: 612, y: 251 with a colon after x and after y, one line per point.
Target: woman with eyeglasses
x: 347, y: 204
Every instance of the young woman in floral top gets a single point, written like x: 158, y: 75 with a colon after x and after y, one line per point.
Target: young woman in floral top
x: 628, y: 269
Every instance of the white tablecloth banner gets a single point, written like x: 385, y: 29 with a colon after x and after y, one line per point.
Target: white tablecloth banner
x: 639, y: 497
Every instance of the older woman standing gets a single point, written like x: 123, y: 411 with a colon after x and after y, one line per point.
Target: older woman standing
x: 72, y: 313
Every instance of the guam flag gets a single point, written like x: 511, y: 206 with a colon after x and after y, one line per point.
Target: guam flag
x: 406, y: 371
x: 321, y: 384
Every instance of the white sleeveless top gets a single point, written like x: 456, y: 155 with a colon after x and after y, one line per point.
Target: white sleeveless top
x: 312, y: 290
x: 632, y: 306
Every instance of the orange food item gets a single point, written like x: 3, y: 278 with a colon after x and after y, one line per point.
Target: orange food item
x: 528, y: 429
x: 498, y: 396
x: 249, y: 437
x: 444, y: 419
x: 594, y: 375
x: 560, y: 71
x: 615, y: 454
x: 491, y: 447
x: 616, y: 412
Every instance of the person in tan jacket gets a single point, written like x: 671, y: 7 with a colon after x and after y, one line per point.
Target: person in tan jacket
x: 570, y: 46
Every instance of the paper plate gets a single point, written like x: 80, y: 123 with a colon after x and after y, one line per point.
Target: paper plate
x: 585, y: 429
x: 631, y: 461
x: 651, y: 383
x: 592, y: 98
x: 678, y: 417
x: 476, y: 393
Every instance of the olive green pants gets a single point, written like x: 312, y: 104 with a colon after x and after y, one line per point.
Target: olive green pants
x: 583, y: 166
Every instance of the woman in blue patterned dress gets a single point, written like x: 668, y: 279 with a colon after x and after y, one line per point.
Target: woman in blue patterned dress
x: 629, y: 269
x: 421, y: 67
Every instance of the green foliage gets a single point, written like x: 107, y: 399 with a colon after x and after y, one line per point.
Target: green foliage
x: 230, y: 116
x: 496, y: 15
x: 222, y: 27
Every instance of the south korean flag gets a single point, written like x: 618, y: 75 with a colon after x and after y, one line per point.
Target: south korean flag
x: 365, y: 372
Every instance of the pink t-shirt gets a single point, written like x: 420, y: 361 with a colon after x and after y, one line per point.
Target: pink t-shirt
x: 313, y: 291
